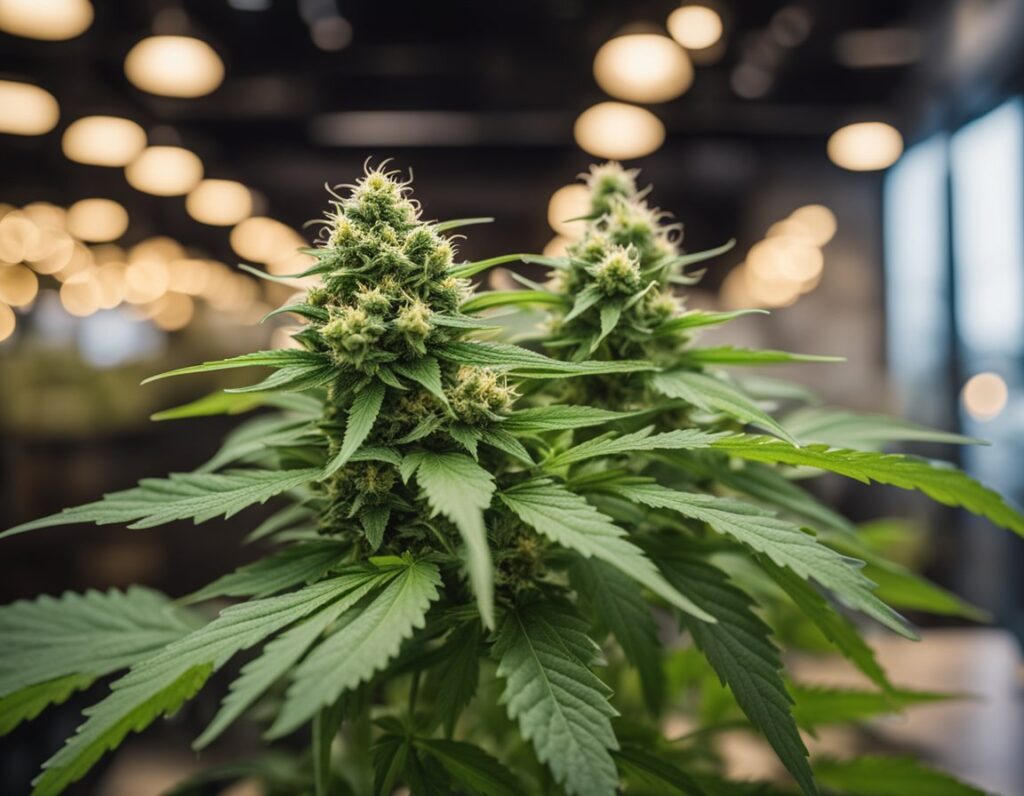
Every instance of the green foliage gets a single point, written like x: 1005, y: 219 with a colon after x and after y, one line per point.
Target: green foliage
x: 460, y: 519
x: 562, y: 707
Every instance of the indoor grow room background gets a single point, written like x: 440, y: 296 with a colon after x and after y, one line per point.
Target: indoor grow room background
x: 890, y: 134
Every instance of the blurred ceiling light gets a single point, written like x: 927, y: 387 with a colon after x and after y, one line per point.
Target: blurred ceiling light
x: 568, y: 202
x: 984, y: 396
x: 80, y: 261
x: 26, y: 109
x: 18, y: 237
x: 7, y: 322
x: 695, y: 27
x: 770, y: 292
x: 799, y: 261
x: 97, y: 220
x: 53, y: 252
x: 734, y: 293
x: 18, y: 285
x: 643, y: 67
x: 865, y: 146
x: 221, y: 203
x: 883, y: 47
x: 110, y: 280
x: 331, y: 33
x: 174, y: 66
x: 750, y: 81
x: 558, y: 246
x: 145, y: 281
x: 263, y: 239
x: 818, y: 222
x: 49, y: 20
x: 172, y: 311
x: 618, y: 131
x: 164, y: 171
x: 189, y: 276
x: 158, y: 247
x: 103, y: 141
x: 46, y: 214
x: 791, y: 25
x: 81, y: 295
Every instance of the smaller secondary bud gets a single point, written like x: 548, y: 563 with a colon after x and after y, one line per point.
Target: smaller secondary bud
x: 480, y: 395
x: 413, y: 321
x: 618, y: 274
x: 372, y: 300
x: 351, y: 334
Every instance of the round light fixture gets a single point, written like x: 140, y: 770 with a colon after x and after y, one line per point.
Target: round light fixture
x: 567, y: 203
x: 26, y: 109
x: 97, y: 220
x: 984, y: 396
x: 695, y: 27
x: 49, y: 20
x: 174, y: 66
x: 818, y: 222
x: 222, y: 203
x: 865, y: 146
x: 264, y: 240
x: 103, y: 141
x: 164, y: 171
x: 18, y: 285
x: 618, y: 131
x: 643, y: 67
x: 7, y: 322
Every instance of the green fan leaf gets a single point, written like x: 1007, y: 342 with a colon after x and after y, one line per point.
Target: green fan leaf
x: 160, y: 684
x: 835, y: 627
x: 471, y: 767
x: 817, y: 706
x: 298, y: 564
x: 366, y: 639
x: 362, y: 414
x: 869, y: 775
x: 282, y: 653
x: 696, y: 319
x: 739, y: 649
x: 523, y: 362
x: 457, y: 675
x: 277, y: 358
x: 714, y: 394
x: 561, y: 706
x: 426, y: 372
x: 654, y: 775
x: 26, y: 704
x: 94, y: 634
x: 197, y: 496
x: 256, y: 436
x: 730, y: 355
x: 569, y: 520
x: 460, y: 489
x: 223, y: 403
x: 638, y: 441
x: 840, y: 428
x: 505, y: 298
x: 941, y: 482
x: 781, y: 541
x: 617, y: 604
x: 559, y: 417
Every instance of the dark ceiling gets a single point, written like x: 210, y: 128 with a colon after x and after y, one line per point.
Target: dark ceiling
x: 516, y: 73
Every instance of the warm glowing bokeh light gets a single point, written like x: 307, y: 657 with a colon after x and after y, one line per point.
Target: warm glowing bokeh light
x: 567, y: 203
x: 695, y: 27
x: 26, y: 109
x: 221, y: 203
x: 172, y: 311
x: 97, y: 220
x: 146, y: 281
x: 18, y: 285
x: 19, y: 237
x: 818, y: 222
x: 264, y: 240
x: 7, y: 322
x: 53, y: 251
x: 618, y: 131
x: 643, y: 67
x: 174, y: 66
x: 984, y: 396
x: 103, y: 141
x: 165, y: 171
x: 48, y: 20
x: 865, y: 146
x: 80, y: 295
x: 558, y: 246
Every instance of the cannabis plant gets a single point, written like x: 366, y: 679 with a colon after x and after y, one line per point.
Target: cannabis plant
x: 502, y: 567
